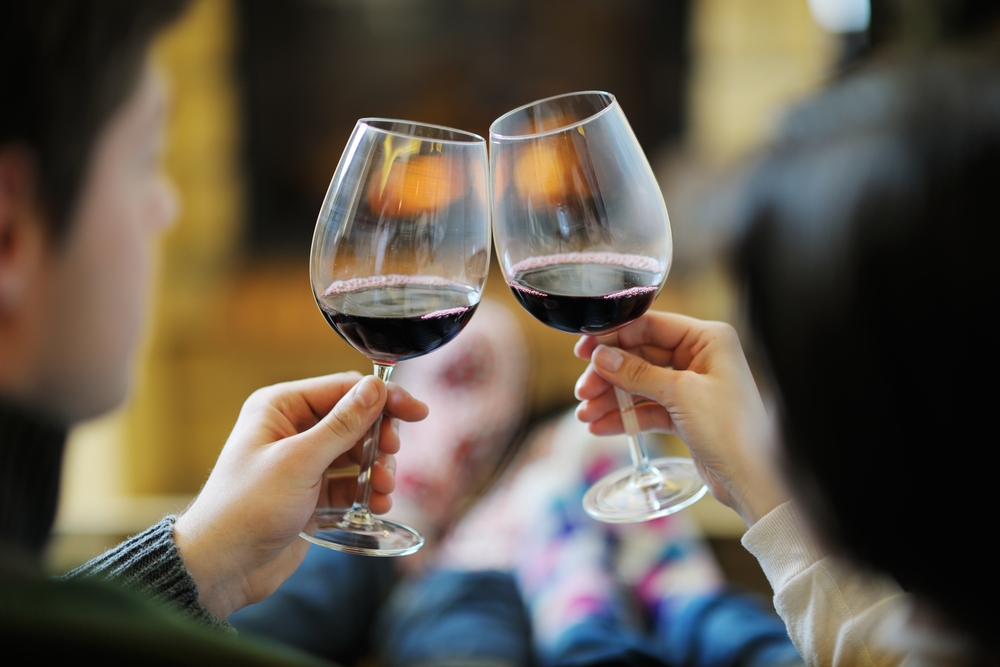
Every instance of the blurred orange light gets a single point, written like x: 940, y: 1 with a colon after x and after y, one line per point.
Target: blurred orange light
x: 546, y: 170
x: 415, y: 185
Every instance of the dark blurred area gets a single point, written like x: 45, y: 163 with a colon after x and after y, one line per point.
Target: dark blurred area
x: 309, y: 69
x: 917, y: 23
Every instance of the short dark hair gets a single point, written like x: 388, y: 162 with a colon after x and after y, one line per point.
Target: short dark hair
x: 65, y: 67
x: 870, y: 265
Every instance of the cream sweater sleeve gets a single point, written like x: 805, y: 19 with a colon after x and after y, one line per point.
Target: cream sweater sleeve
x: 832, y: 611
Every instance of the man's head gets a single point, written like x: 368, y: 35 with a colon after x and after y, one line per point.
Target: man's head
x: 81, y: 196
x: 871, y: 272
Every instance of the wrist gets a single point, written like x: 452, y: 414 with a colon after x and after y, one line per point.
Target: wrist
x: 752, y: 507
x: 760, y: 486
x: 755, y: 494
x: 220, y: 588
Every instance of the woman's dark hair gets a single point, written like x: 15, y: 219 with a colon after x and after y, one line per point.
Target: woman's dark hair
x: 871, y: 271
x: 65, y: 67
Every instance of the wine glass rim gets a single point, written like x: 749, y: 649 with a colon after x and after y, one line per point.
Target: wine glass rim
x: 613, y: 101
x: 473, y: 138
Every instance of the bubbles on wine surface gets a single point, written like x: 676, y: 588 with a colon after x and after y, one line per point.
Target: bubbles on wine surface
x: 357, y: 285
x: 623, y: 260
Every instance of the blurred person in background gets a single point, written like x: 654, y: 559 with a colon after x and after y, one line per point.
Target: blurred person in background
x: 869, y: 270
x: 598, y: 593
x: 866, y: 170
x: 82, y: 201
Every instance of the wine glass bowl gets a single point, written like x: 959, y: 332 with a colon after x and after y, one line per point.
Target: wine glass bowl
x: 398, y: 262
x: 583, y: 241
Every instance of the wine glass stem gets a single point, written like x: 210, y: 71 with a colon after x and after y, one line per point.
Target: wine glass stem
x: 645, y: 475
x: 359, y: 512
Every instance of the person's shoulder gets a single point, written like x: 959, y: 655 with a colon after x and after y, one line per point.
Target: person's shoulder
x: 63, y: 619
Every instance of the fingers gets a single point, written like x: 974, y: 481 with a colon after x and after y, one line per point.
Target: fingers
x: 341, y: 491
x: 585, y: 346
x: 388, y: 441
x: 383, y: 481
x: 303, y: 402
x: 632, y: 373
x: 660, y: 338
x: 349, y: 419
x: 402, y: 405
x: 590, y: 385
x: 319, y: 393
x: 668, y: 331
x: 604, y: 417
x: 379, y: 504
x: 311, y: 399
x: 599, y: 407
x: 384, y: 474
x: 592, y: 409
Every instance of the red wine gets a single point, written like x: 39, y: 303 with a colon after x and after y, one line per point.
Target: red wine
x: 586, y: 293
x: 392, y: 318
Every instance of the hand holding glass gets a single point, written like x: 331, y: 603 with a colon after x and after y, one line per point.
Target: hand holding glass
x: 399, y: 258
x: 583, y: 239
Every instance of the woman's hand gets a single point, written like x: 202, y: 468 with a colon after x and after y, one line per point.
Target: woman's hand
x: 699, y: 387
x: 239, y: 538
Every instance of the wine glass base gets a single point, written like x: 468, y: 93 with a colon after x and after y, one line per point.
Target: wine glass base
x: 617, y: 499
x: 381, y: 538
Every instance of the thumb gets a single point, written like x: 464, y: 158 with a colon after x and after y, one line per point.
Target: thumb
x: 349, y: 419
x: 633, y: 374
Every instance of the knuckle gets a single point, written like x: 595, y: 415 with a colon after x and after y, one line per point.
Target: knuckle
x: 725, y: 332
x: 258, y: 395
x: 259, y: 398
x: 341, y: 423
x: 637, y: 372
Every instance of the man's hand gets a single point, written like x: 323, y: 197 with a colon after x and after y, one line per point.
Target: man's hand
x: 239, y: 539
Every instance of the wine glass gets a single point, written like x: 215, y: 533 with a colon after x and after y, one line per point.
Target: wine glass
x: 399, y: 258
x: 583, y: 240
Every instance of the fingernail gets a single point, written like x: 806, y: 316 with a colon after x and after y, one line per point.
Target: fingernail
x: 576, y: 388
x: 367, y: 392
x: 608, y: 358
x: 395, y: 427
x: 391, y: 469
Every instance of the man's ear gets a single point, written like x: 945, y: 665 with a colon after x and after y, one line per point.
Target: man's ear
x: 22, y: 229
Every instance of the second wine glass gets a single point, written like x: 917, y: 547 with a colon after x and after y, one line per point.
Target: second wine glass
x: 399, y: 258
x: 583, y: 240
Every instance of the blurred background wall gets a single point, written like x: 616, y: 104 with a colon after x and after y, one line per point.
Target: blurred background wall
x: 265, y: 95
